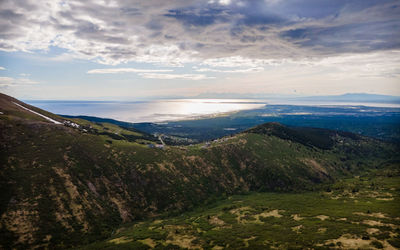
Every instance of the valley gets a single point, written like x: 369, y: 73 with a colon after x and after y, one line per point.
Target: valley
x: 209, y: 125
x: 71, y: 184
x: 378, y: 122
x: 354, y: 213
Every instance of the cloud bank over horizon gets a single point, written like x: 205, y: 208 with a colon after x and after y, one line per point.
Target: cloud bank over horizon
x: 356, y: 37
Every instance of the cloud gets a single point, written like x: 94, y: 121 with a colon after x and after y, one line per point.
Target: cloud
x: 248, y: 70
x: 177, y: 32
x: 238, y: 61
x: 9, y: 81
x: 2, y: 68
x: 150, y: 73
x: 125, y: 70
x: 365, y: 65
x: 174, y: 76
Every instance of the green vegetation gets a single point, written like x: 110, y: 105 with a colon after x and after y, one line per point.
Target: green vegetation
x: 367, y: 217
x: 382, y: 123
x: 68, y: 185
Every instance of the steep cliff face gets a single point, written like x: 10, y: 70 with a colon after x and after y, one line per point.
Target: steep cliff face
x: 60, y: 182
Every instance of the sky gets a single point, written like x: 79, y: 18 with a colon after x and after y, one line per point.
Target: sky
x: 125, y: 50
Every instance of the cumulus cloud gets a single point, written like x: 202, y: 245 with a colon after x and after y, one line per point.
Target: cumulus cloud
x: 125, y: 70
x: 2, y: 68
x: 183, y: 31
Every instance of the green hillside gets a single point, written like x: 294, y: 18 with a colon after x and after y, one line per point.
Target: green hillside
x: 73, y: 183
x: 354, y: 213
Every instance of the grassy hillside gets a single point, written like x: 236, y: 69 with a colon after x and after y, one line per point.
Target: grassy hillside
x: 65, y: 185
x: 354, y: 213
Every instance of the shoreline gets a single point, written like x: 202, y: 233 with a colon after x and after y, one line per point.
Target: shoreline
x: 127, y: 114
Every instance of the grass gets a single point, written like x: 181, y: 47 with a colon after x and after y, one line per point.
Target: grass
x: 64, y: 186
x: 364, y: 218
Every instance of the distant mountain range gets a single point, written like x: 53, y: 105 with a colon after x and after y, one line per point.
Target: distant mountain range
x: 349, y: 97
x: 354, y: 97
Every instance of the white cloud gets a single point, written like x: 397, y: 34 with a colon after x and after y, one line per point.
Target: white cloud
x: 224, y: 2
x: 177, y: 32
x: 239, y: 61
x: 376, y: 64
x: 285, y: 42
x: 2, y: 68
x: 6, y: 81
x: 174, y: 76
x: 248, y: 70
x: 125, y: 70
x: 9, y: 81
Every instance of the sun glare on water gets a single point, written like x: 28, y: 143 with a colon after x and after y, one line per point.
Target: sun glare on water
x: 152, y: 111
x: 203, y: 107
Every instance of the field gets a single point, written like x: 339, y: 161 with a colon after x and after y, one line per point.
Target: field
x: 360, y: 212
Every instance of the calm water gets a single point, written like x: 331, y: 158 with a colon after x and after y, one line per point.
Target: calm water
x: 149, y: 111
x: 169, y: 110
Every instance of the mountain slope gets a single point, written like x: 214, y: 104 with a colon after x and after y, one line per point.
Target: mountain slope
x: 353, y: 213
x: 66, y: 184
x: 312, y: 137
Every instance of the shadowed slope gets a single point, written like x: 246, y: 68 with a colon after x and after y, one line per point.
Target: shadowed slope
x: 65, y: 185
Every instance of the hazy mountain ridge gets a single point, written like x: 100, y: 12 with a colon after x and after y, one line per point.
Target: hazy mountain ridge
x: 60, y: 182
x: 354, y: 97
x: 348, y: 97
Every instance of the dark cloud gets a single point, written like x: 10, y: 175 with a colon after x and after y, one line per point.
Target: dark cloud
x: 131, y: 11
x: 154, y: 25
x: 343, y: 36
x: 177, y: 31
x: 202, y: 16
x: 252, y: 13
